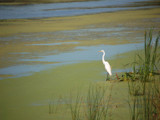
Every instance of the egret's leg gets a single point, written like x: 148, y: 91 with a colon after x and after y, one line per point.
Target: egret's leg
x: 107, y: 77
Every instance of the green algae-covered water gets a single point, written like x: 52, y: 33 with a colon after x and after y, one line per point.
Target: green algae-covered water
x: 47, y: 58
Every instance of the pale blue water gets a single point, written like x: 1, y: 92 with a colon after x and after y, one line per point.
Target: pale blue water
x: 51, y: 44
x: 81, y: 54
x: 65, y: 9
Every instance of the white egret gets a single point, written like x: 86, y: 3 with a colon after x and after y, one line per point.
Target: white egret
x: 106, y: 64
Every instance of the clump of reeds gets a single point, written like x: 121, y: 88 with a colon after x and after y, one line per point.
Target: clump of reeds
x: 133, y: 108
x: 51, y: 105
x: 135, y: 88
x: 145, y: 66
x: 97, y: 104
x: 156, y: 100
x: 92, y: 107
x: 75, y: 107
x: 54, y: 105
x: 142, y: 82
x: 142, y: 107
x: 150, y: 49
x: 148, y: 64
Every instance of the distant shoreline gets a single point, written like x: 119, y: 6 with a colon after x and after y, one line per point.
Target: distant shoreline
x: 24, y: 2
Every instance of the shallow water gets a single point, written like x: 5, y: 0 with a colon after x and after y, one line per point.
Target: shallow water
x: 81, y: 54
x: 24, y: 53
x: 65, y: 9
x: 32, y: 61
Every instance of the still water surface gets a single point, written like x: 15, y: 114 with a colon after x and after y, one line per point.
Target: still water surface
x: 62, y: 39
x: 66, y: 9
x: 85, y: 54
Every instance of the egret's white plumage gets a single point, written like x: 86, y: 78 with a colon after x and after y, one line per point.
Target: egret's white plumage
x: 106, y: 64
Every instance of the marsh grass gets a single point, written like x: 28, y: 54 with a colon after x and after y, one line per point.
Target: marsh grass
x: 156, y: 100
x: 148, y: 64
x: 51, y: 106
x: 134, y: 88
x: 75, y: 107
x: 144, y: 66
x: 55, y: 105
x: 94, y: 106
x: 144, y: 93
x: 143, y: 87
x: 144, y: 107
x: 134, y: 112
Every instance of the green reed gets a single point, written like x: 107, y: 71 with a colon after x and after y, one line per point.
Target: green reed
x: 150, y: 55
x: 96, y: 107
x: 156, y: 99
x: 147, y: 63
x: 75, y: 107
x: 145, y: 94
x: 92, y: 107
x: 145, y: 107
x: 55, y: 105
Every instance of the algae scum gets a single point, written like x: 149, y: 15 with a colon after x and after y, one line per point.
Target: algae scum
x: 49, y: 51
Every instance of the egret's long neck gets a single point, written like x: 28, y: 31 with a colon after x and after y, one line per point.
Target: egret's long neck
x: 103, y: 57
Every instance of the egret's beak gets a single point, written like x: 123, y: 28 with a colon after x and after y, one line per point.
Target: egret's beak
x: 99, y: 51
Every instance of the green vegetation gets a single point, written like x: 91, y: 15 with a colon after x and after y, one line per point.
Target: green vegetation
x: 146, y: 107
x: 143, y: 88
x: 97, y: 103
x: 75, y: 107
x: 144, y: 82
x: 37, y: 97
x: 45, y: 94
x: 94, y: 106
x: 106, y: 100
x: 91, y: 106
x: 145, y: 65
